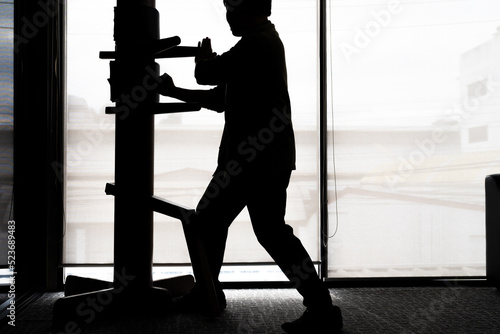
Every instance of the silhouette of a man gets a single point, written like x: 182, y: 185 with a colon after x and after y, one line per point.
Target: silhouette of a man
x: 256, y: 158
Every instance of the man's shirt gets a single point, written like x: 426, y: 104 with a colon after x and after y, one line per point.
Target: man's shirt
x: 251, y: 80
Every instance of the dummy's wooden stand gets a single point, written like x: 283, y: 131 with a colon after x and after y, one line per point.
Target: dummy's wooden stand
x: 134, y: 78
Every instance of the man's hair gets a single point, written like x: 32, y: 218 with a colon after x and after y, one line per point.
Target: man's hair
x: 255, y: 7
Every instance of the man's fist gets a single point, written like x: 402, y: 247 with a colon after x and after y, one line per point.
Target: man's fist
x: 166, y: 85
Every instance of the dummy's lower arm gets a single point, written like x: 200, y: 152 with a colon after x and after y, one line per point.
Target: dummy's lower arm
x: 189, y: 95
x: 210, y: 99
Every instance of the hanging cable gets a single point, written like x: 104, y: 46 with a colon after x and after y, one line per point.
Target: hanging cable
x: 325, y: 237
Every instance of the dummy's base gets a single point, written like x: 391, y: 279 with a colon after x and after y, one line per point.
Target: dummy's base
x: 89, y: 300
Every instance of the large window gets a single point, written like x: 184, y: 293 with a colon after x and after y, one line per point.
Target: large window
x: 413, y: 117
x: 186, y: 144
x: 414, y: 130
x: 6, y: 128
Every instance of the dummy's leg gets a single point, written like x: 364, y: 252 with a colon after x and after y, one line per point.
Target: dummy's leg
x: 208, y: 226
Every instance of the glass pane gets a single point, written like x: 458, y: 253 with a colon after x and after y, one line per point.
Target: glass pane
x: 7, y: 14
x: 6, y: 127
x: 186, y: 144
x: 89, y: 134
x: 415, y: 95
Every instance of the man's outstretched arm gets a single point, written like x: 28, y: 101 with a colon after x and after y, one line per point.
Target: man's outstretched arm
x: 212, y: 99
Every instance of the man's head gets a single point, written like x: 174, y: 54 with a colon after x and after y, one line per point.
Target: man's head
x: 241, y: 14
x: 250, y: 7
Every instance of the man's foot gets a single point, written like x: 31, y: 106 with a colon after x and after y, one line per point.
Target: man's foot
x: 316, y: 321
x: 197, y: 301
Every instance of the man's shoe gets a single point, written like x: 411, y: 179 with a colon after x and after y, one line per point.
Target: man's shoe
x: 197, y: 301
x: 316, y: 321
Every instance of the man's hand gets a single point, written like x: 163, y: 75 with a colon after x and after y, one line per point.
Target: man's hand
x: 204, y: 51
x: 167, y: 85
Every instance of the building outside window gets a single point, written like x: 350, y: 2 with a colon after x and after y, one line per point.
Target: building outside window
x: 406, y: 184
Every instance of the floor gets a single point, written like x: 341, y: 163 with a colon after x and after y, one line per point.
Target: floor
x: 401, y: 310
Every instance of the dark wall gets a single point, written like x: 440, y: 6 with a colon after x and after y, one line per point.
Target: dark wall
x: 38, y: 143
